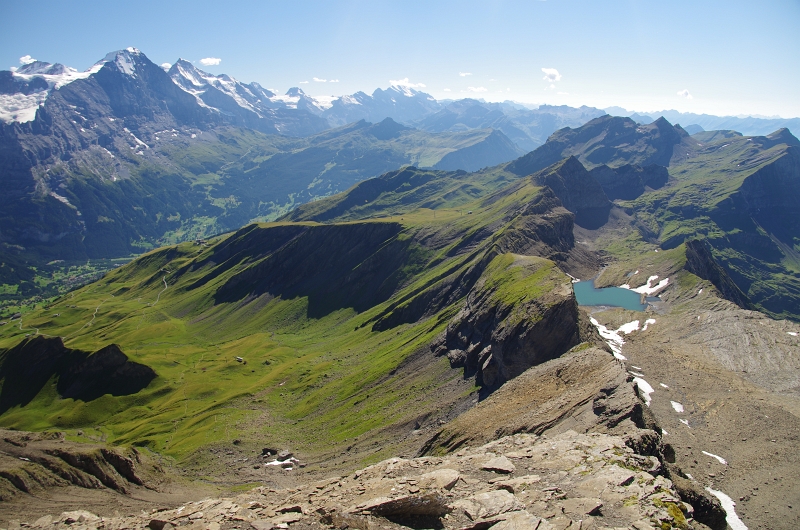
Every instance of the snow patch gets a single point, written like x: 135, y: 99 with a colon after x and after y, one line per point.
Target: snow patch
x: 644, y: 389
x: 663, y: 385
x: 613, y: 338
x: 677, y: 406
x: 685, y: 422
x: 730, y: 510
x: 721, y: 460
x: 648, y: 322
x: 648, y: 288
x: 792, y: 333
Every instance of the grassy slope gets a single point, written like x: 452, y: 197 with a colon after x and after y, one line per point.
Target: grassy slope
x: 306, y: 379
x: 193, y: 187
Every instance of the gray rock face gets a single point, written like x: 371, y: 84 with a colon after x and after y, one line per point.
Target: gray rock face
x: 587, y: 481
x: 578, y: 190
x: 496, y: 342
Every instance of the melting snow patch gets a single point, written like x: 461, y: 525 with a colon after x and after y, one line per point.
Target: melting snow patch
x: 644, y: 389
x: 648, y: 322
x: 685, y: 422
x: 677, y: 406
x: 664, y: 431
x: 288, y: 463
x: 636, y: 368
x: 648, y: 288
x: 629, y: 327
x: 689, y: 476
x: 613, y: 338
x: 729, y: 506
x: 637, y: 374
x: 721, y: 460
x: 792, y: 333
x: 700, y: 291
x: 662, y: 384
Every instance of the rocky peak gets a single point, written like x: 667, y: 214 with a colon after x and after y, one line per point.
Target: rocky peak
x: 125, y: 60
x: 295, y: 92
x: 783, y: 135
x: 43, y: 68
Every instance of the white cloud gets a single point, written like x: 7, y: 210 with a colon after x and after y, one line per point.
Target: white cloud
x: 166, y: 66
x: 563, y: 93
x: 552, y: 87
x: 318, y: 80
x: 477, y: 89
x: 13, y: 68
x: 551, y: 75
x: 447, y: 90
x: 334, y: 81
x: 464, y: 74
x: 303, y: 82
x: 26, y: 59
x: 210, y: 61
x: 406, y: 82
x: 685, y: 93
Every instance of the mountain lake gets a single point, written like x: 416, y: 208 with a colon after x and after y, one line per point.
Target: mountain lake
x: 588, y: 295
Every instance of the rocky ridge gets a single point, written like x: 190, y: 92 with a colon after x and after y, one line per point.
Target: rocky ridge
x: 568, y: 481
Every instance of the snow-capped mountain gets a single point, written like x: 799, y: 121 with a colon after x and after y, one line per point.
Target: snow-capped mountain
x: 221, y: 99
x: 401, y: 103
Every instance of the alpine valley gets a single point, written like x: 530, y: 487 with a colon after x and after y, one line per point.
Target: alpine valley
x: 363, y: 308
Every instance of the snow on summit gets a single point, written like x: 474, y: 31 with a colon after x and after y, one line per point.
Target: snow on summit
x: 35, y: 79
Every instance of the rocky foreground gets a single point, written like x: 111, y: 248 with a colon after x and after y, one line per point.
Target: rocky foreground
x: 524, y: 481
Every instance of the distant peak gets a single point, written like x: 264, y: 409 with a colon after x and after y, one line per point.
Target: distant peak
x: 784, y: 135
x: 295, y: 92
x: 43, y: 68
x: 125, y: 60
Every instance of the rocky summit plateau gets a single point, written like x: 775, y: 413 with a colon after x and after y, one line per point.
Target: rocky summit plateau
x: 228, y: 308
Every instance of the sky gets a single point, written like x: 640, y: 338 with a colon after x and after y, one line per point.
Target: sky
x: 716, y: 57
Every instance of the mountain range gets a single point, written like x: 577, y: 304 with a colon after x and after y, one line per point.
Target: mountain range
x: 423, y: 310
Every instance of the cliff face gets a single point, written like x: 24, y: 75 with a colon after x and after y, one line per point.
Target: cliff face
x: 578, y: 190
x: 700, y: 262
x: 629, y: 181
x: 498, y: 334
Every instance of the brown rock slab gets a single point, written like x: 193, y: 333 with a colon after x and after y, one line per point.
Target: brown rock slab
x: 499, y: 464
x: 515, y: 485
x: 582, y: 506
x: 439, y: 479
x: 429, y: 504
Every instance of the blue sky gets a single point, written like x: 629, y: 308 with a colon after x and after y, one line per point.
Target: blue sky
x: 716, y: 57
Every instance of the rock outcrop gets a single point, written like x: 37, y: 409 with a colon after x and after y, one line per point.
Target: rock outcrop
x: 525, y: 481
x: 630, y: 180
x: 700, y: 262
x: 34, y: 462
x: 578, y: 190
x: 496, y: 338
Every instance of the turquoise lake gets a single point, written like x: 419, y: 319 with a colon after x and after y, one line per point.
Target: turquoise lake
x: 586, y: 294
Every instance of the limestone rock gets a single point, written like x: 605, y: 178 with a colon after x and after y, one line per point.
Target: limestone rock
x: 572, y: 481
x: 499, y: 464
